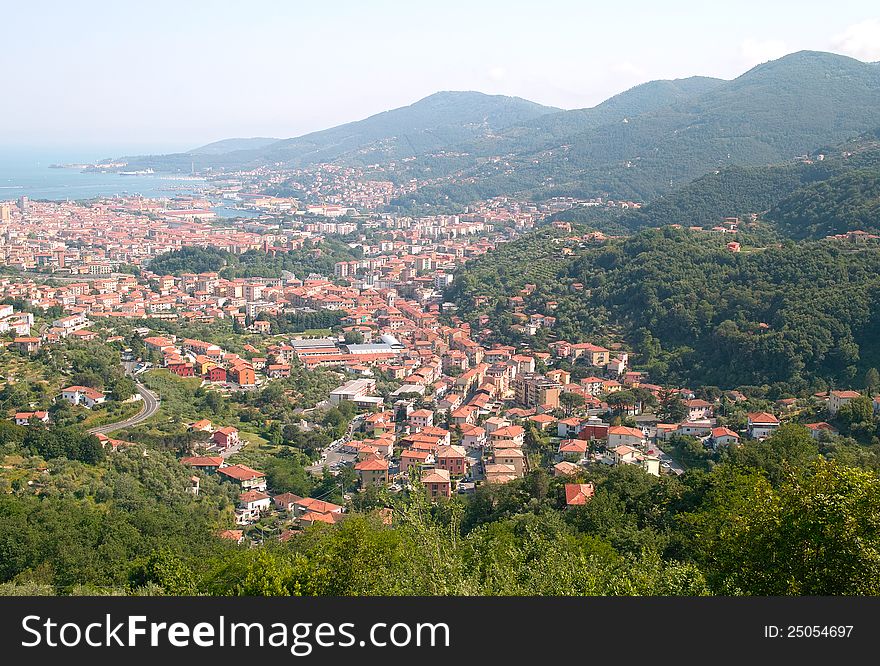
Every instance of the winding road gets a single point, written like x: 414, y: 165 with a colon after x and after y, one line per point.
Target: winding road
x: 151, y: 406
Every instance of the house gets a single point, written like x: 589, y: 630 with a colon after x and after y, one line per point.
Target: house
x: 625, y: 436
x: 694, y: 429
x: 573, y: 448
x: 278, y: 371
x: 226, y: 437
x: 312, y: 517
x: 698, y: 409
x: 761, y: 425
x: 372, y: 472
x: 24, y: 418
x: 208, y: 464
x: 203, y: 425
x: 312, y: 505
x: 595, y: 355
x: 507, y: 436
x: 473, y: 437
x: 622, y: 454
x: 511, y: 457
x: 818, y: 429
x: 232, y: 535
x: 250, y: 505
x: 82, y: 395
x: 412, y: 459
x: 838, y: 399
x: 216, y: 374
x: 286, y: 502
x: 437, y: 483
x: 421, y: 418
x: 565, y: 468
x: 26, y: 345
x: 570, y: 427
x: 578, y: 494
x: 243, y: 374
x: 498, y: 473
x: 453, y: 459
x: 244, y: 476
x: 722, y: 436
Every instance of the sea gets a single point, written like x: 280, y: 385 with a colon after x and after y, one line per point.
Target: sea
x: 27, y: 173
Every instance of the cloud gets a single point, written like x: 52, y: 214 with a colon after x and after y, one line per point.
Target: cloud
x: 860, y: 40
x: 755, y: 51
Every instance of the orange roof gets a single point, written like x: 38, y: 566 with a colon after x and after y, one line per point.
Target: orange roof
x: 240, y: 472
x: 578, y: 493
x: 202, y: 461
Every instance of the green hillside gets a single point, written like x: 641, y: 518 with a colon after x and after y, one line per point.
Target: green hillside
x: 797, y: 315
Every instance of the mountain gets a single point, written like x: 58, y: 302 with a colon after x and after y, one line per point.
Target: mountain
x: 543, y: 131
x: 769, y: 114
x: 230, y: 145
x: 849, y: 202
x: 640, y: 144
x: 791, y: 191
x: 431, y: 124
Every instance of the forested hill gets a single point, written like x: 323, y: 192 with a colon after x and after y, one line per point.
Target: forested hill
x: 312, y: 258
x: 802, y: 197
x: 849, y: 202
x: 798, y: 315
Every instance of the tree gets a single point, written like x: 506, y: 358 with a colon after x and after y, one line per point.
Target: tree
x: 620, y: 400
x: 672, y: 407
x: 570, y: 401
x: 872, y: 381
x: 817, y: 534
x: 166, y: 570
x: 354, y: 338
x: 857, y: 415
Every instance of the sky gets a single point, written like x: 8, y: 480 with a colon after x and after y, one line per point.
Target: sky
x: 160, y: 76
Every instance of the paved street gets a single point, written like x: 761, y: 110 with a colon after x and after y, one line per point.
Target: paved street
x: 150, y: 407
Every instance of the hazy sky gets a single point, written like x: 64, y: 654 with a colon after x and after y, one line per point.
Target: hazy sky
x: 164, y: 76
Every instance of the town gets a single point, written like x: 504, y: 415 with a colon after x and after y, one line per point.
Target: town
x: 426, y: 401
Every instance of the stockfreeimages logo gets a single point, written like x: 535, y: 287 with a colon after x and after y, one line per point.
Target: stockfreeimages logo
x: 300, y: 638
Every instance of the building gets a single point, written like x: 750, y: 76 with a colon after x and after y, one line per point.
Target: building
x: 437, y: 483
x: 532, y: 390
x: 818, y: 430
x: 578, y: 494
x: 722, y: 436
x: 25, y: 418
x: 513, y: 458
x: 286, y: 502
x: 372, y: 472
x: 250, y: 505
x: 82, y: 395
x: 453, y: 459
x: 421, y: 418
x: 510, y: 436
x: 244, y: 476
x: 624, y: 436
x: 207, y: 464
x: 698, y: 409
x: 357, y: 391
x: 761, y: 425
x: 226, y: 437
x: 413, y: 459
x: 26, y: 345
x: 838, y: 399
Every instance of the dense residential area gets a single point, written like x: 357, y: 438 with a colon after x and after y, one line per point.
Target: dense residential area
x: 531, y: 360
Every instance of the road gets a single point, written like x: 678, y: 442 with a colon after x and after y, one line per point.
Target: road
x: 151, y: 406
